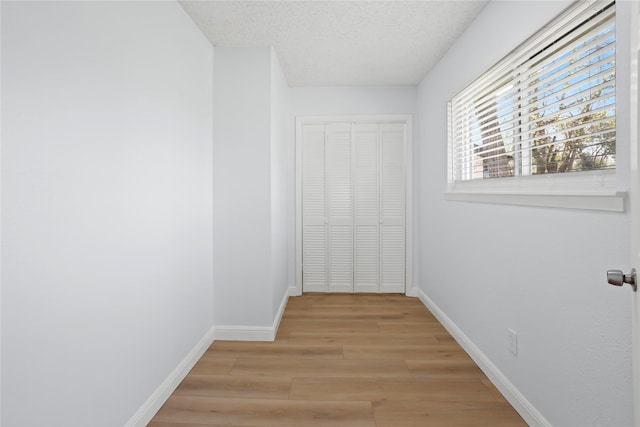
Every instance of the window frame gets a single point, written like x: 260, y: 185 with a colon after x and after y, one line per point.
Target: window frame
x: 591, y: 190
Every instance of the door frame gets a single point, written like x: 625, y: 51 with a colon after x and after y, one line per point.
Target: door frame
x: 333, y: 119
x: 634, y: 195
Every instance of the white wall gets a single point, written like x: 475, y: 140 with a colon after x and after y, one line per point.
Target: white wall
x: 318, y: 101
x: 538, y: 271
x: 106, y: 206
x: 1, y: 120
x: 250, y: 155
x: 353, y: 100
x: 242, y: 186
x: 282, y: 137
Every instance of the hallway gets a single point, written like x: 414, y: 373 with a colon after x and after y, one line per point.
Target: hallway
x: 341, y: 360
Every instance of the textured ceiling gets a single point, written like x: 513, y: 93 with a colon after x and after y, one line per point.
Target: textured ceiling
x: 340, y: 43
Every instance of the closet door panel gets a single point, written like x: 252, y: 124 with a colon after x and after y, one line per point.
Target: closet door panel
x: 392, y: 243
x: 340, y: 207
x: 366, y: 207
x: 314, y: 212
x: 392, y: 207
x: 353, y: 207
x: 315, y: 258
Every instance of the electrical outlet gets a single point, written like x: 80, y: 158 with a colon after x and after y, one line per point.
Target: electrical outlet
x: 512, y: 341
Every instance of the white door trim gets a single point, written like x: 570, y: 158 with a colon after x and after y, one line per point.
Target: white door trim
x: 408, y: 120
x: 634, y: 196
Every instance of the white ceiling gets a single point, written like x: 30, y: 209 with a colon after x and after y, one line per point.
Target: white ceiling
x: 340, y: 43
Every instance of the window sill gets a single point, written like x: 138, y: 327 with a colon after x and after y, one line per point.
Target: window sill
x: 607, y: 203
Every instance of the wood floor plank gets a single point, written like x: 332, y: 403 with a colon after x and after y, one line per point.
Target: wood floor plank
x: 236, y: 349
x: 265, y: 412
x: 406, y: 352
x: 334, y: 324
x: 363, y: 338
x: 443, y: 337
x: 410, y: 389
x: 169, y: 424
x: 379, y: 310
x: 345, y: 314
x: 213, y: 365
x: 492, y: 388
x: 321, y: 368
x: 460, y: 368
x: 390, y: 325
x: 230, y: 386
x: 450, y: 414
x: 341, y: 360
x: 315, y: 299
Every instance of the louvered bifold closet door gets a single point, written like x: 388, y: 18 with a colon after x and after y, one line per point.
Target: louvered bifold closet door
x: 392, y: 207
x: 353, y: 207
x: 340, y: 207
x: 314, y: 210
x: 366, y: 208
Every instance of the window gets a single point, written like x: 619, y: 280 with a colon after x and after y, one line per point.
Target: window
x: 543, y: 120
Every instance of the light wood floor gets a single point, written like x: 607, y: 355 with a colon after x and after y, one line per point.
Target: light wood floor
x: 341, y: 360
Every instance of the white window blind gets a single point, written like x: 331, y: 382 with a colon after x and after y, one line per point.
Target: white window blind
x: 547, y: 108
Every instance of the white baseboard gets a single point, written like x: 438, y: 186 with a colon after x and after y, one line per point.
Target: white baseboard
x: 280, y: 313
x: 244, y: 333
x: 254, y: 333
x: 526, y: 410
x: 412, y: 292
x: 143, y: 416
x: 293, y: 292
